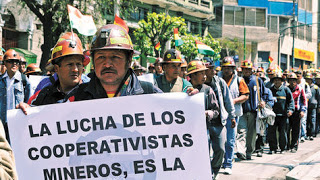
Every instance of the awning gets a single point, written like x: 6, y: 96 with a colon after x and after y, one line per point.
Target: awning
x: 28, y: 55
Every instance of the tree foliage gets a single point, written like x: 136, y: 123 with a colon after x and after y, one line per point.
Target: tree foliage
x: 53, y: 15
x: 190, y: 50
x: 157, y: 28
x: 231, y: 46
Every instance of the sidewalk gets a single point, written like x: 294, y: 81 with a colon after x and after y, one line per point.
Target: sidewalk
x: 304, y: 164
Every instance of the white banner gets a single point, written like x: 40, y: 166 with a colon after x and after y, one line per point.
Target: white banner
x: 34, y: 81
x: 156, y: 136
x: 147, y: 77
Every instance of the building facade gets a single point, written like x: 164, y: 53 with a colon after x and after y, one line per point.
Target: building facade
x: 269, y: 29
x: 20, y: 29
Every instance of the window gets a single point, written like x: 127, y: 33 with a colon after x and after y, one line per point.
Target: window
x: 218, y: 13
x: 139, y: 14
x: 239, y: 16
x: 261, y: 17
x: 301, y: 30
x: 228, y: 15
x: 284, y: 23
x: 273, y: 24
x: 250, y: 16
x: 309, y: 33
x: 244, y: 16
x: 283, y: 61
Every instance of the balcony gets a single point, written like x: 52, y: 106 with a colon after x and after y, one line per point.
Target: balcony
x: 197, y: 8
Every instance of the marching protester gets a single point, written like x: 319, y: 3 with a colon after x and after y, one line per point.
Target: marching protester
x: 283, y: 108
x: 217, y: 132
x: 300, y: 103
x: 67, y: 58
x: 151, y: 69
x: 170, y: 81
x: 15, y: 87
x: 137, y: 68
x: 306, y: 88
x: 23, y: 64
x: 313, y: 107
x: 112, y: 76
x: 240, y: 93
x: 69, y: 36
x: 183, y: 72
x: 158, y: 67
x: 271, y: 71
x: 246, y: 137
x: 227, y: 110
x: 33, y: 69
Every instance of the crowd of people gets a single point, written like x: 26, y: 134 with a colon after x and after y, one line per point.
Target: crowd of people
x: 235, y: 97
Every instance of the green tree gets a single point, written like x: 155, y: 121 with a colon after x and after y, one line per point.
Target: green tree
x: 231, y: 46
x: 190, y: 50
x: 53, y: 15
x: 157, y: 28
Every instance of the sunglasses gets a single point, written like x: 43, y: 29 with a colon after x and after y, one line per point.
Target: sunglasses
x: 13, y: 61
x: 23, y: 63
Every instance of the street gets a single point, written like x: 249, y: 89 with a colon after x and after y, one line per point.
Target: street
x: 304, y: 164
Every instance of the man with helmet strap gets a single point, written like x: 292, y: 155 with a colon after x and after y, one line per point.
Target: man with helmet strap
x: 283, y: 108
x: 240, y: 93
x: 196, y: 72
x: 112, y: 51
x: 313, y: 107
x: 246, y: 137
x: 300, y: 103
x: 170, y: 81
x: 52, y: 79
x: 13, y: 90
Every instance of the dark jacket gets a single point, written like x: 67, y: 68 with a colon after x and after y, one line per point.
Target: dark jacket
x: 211, y: 102
x: 251, y: 104
x: 49, y: 95
x: 315, y: 98
x: 284, y: 102
x: 94, y: 89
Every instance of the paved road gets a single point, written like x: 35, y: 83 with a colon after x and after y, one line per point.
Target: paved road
x: 304, y: 164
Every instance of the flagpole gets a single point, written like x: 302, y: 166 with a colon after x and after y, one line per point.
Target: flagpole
x: 72, y: 38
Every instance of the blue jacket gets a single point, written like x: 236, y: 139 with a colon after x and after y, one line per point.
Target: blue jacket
x: 224, y: 98
x: 20, y: 94
x: 251, y: 104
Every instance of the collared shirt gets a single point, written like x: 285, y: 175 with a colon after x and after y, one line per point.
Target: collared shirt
x: 10, y: 91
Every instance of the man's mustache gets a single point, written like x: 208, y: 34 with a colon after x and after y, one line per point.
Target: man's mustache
x: 109, y: 70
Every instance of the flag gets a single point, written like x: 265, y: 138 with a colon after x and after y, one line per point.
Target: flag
x: 83, y: 23
x: 270, y: 59
x: 157, y: 47
x: 204, y: 49
x: 120, y: 22
x: 177, y: 39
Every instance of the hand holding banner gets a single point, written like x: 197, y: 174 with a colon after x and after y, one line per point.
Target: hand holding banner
x: 135, y: 137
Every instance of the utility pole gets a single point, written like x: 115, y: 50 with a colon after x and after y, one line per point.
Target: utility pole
x: 293, y: 30
x: 244, y: 46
